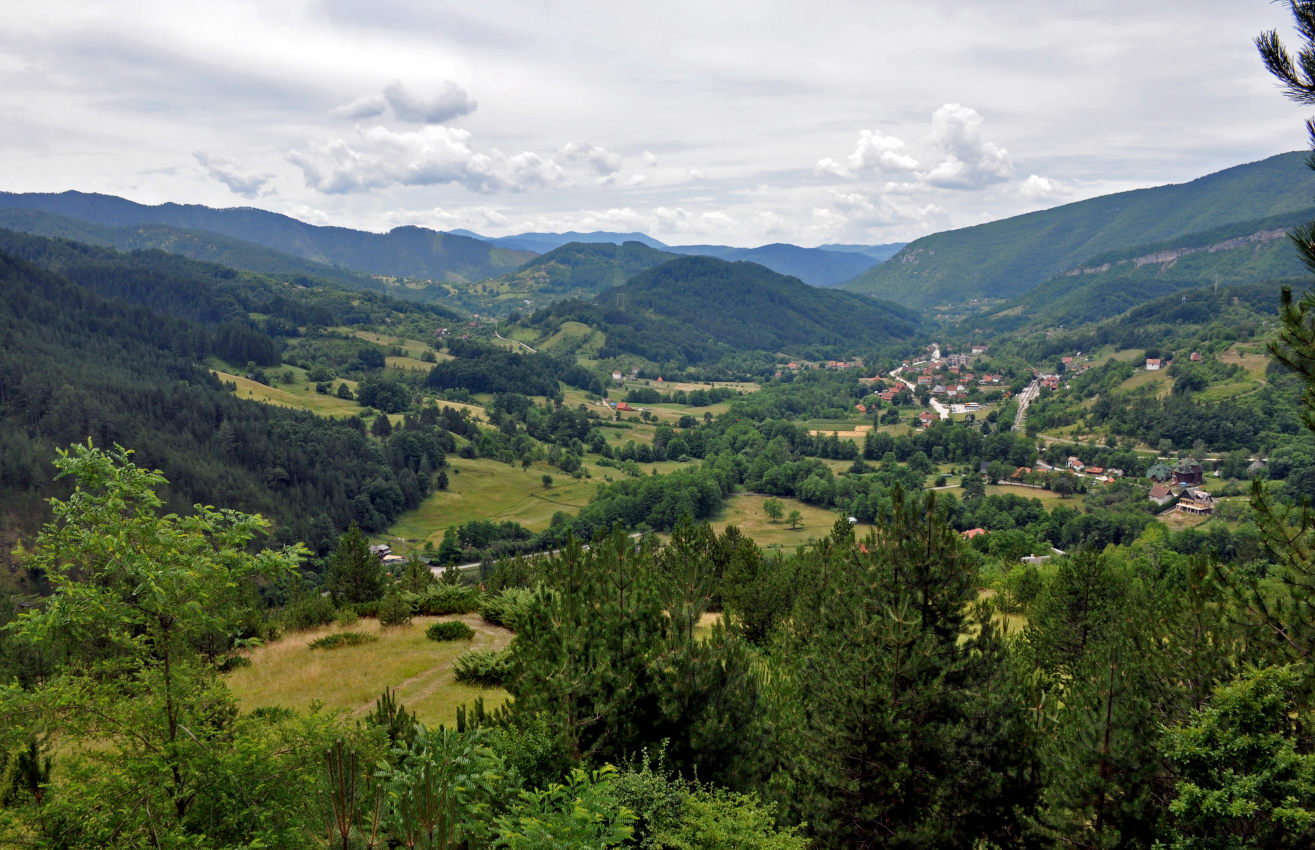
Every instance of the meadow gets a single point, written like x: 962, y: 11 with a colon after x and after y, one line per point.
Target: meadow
x: 287, y: 674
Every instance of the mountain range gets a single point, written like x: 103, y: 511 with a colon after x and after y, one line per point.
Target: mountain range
x: 1007, y: 258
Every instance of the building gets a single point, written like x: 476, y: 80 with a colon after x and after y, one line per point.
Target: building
x: 1160, y: 494
x: 1196, y: 501
x: 1159, y: 471
x: 1152, y: 364
x: 1188, y: 471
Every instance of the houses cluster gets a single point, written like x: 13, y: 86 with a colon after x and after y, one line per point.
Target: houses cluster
x: 1182, y: 482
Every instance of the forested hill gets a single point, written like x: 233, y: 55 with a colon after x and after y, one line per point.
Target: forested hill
x: 814, y: 266
x: 75, y: 364
x: 749, y: 307
x: 1003, y: 259
x: 201, y: 245
x: 581, y: 270
x: 409, y: 252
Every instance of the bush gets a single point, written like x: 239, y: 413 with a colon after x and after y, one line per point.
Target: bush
x: 443, y: 599
x: 346, y: 616
x: 367, y: 609
x: 340, y: 639
x: 486, y: 668
x: 449, y: 630
x: 507, y: 607
x: 394, y: 610
x: 308, y: 613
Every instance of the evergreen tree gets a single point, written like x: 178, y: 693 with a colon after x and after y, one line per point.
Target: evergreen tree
x: 895, y: 704
x: 355, y: 573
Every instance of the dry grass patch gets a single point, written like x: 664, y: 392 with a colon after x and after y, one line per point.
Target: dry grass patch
x: 288, y: 674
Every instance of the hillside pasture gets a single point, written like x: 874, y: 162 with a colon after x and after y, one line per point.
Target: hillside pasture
x: 286, y: 673
x: 745, y: 510
x: 300, y: 394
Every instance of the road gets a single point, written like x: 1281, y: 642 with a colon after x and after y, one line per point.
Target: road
x: 1026, y: 397
x: 514, y: 341
x: 941, y: 410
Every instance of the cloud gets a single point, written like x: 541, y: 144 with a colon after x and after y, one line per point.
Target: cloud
x: 440, y: 106
x: 970, y: 162
x: 226, y: 172
x: 432, y: 155
x: 873, y: 151
x: 650, y: 159
x: 1038, y: 187
x: 443, y: 104
x: 363, y: 107
x: 603, y: 162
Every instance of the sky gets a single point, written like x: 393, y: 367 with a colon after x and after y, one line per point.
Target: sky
x: 728, y: 122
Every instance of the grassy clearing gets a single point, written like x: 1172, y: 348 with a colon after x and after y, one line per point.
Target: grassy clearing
x: 1049, y: 500
x: 1158, y: 379
x: 745, y: 510
x: 287, y: 673
x: 300, y: 394
x: 482, y: 488
x: 1252, y: 358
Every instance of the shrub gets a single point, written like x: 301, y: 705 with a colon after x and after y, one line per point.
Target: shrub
x: 507, y: 607
x: 308, y: 613
x: 449, y: 630
x: 338, y: 640
x: 394, y: 610
x: 443, y: 599
x: 367, y: 609
x: 486, y: 668
x: 346, y: 616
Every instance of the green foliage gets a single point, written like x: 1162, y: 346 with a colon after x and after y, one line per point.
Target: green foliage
x: 892, y: 692
x: 442, y: 599
x: 136, y: 709
x: 338, y: 640
x: 440, y: 790
x: 486, y: 668
x: 449, y: 630
x: 1243, y: 777
x: 395, y: 610
x: 774, y: 509
x: 355, y: 573
x: 580, y: 812
x: 308, y: 612
x: 725, y: 820
x: 507, y: 607
x: 393, y: 718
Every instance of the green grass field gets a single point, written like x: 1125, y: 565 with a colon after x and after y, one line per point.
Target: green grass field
x: 1049, y: 500
x: 286, y: 673
x: 482, y: 488
x: 745, y: 510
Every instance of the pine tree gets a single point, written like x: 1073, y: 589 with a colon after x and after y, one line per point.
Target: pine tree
x: 895, y: 708
x: 355, y: 573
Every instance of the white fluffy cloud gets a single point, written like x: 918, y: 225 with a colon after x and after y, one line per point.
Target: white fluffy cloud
x: 874, y: 151
x: 970, y: 161
x: 1038, y: 187
x: 432, y: 155
x: 225, y: 171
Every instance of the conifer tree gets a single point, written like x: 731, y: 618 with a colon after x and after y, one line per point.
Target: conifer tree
x: 355, y: 573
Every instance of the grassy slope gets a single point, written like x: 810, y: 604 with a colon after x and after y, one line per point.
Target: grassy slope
x: 285, y: 673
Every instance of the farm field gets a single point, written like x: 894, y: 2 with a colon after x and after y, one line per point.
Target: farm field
x: 1049, y: 500
x: 286, y: 673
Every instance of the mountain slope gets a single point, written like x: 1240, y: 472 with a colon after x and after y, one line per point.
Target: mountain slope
x: 409, y: 252
x: 1003, y: 259
x: 194, y: 244
x: 1113, y: 282
x: 747, y: 306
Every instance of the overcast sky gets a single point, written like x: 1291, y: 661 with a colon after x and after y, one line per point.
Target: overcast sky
x: 743, y: 123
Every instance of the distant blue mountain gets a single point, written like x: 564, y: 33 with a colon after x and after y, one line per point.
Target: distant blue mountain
x: 825, y: 266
